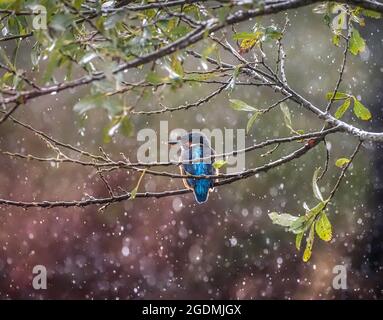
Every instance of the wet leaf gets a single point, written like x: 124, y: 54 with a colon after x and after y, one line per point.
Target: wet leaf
x: 361, y: 111
x: 219, y: 164
x: 357, y: 43
x: 298, y: 240
x: 236, y: 72
x: 338, y: 95
x: 176, y: 66
x: 61, y: 22
x: 154, y: 78
x: 239, y: 105
x: 309, y: 244
x: 251, y: 121
x: 272, y: 33
x: 246, y: 36
x: 246, y: 45
x: 53, y: 63
x: 283, y: 219
x: 316, y: 190
x: 343, y: 108
x: 315, y: 211
x: 371, y: 14
x: 323, y: 227
x: 88, y: 103
x: 336, y: 39
x: 126, y: 127
x: 298, y: 226
x: 112, y: 20
x: 341, y: 162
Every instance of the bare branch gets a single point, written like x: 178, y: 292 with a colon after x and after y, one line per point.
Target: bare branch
x: 113, y: 199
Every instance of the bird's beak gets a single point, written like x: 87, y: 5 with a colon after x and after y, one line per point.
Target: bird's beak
x: 173, y: 142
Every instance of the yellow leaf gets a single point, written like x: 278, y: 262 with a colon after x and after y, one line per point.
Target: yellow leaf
x: 323, y: 227
x: 249, y: 42
x: 341, y: 162
x: 309, y: 244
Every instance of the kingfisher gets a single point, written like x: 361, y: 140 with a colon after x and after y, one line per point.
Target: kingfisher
x: 194, y: 146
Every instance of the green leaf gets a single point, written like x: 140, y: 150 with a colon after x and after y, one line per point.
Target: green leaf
x: 88, y: 103
x: 336, y: 39
x: 176, y: 66
x: 371, y: 14
x: 323, y: 227
x: 246, y: 36
x: 236, y: 72
x: 341, y: 162
x: 36, y: 55
x: 283, y: 219
x: 298, y: 240
x: 53, y: 63
x: 7, y: 78
x: 343, y: 108
x: 154, y: 78
x: 309, y: 244
x: 312, y: 213
x: 219, y: 164
x: 250, y: 38
x: 251, y: 121
x: 120, y: 123
x: 272, y: 33
x: 327, y: 19
x: 357, y: 43
x: 108, y: 131
x: 338, y: 95
x: 77, y: 3
x: 361, y: 111
x: 239, y: 105
x: 61, y: 22
x: 287, y: 119
x: 316, y: 189
x: 112, y: 20
x: 179, y: 31
x: 126, y: 126
x: 299, y: 225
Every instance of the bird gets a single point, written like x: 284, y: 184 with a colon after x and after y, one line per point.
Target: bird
x: 194, y: 146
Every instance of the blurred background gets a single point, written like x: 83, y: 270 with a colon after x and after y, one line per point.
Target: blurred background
x: 173, y: 248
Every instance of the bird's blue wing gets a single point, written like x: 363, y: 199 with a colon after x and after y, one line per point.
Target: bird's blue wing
x: 200, y: 187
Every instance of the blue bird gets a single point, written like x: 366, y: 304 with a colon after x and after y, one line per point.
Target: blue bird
x: 196, y: 146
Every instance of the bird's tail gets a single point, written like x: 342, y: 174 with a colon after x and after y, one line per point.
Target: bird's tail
x: 201, y: 190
